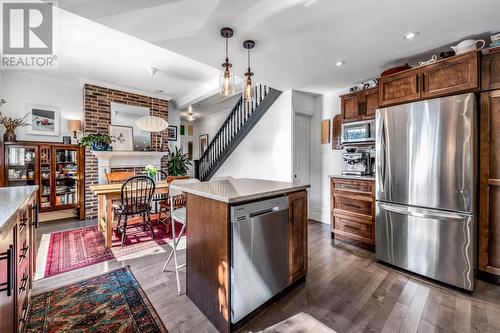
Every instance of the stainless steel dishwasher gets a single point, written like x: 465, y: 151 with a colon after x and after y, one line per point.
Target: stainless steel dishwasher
x: 259, y: 254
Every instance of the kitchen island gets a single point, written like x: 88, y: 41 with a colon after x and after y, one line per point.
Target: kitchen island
x: 246, y: 242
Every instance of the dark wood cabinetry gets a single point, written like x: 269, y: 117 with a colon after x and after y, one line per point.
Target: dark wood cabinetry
x: 399, y: 88
x: 445, y: 77
x: 58, y: 169
x: 489, y: 206
x: 451, y: 76
x: 490, y: 72
x: 297, y: 229
x: 359, y: 105
x: 353, y: 211
x: 17, y: 266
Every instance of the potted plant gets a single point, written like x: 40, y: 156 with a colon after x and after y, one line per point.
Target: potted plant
x: 97, y: 142
x: 11, y: 125
x: 151, y: 170
x: 178, y: 163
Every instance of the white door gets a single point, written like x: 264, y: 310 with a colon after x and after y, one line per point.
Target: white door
x: 302, y: 149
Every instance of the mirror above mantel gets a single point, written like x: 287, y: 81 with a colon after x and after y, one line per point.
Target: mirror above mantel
x: 127, y: 115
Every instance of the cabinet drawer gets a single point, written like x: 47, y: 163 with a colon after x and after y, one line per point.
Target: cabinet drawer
x: 361, y: 186
x: 353, y: 228
x: 355, y: 206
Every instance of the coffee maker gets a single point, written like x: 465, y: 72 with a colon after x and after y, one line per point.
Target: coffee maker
x: 360, y: 162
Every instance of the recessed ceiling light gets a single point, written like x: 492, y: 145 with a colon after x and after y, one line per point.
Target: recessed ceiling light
x: 339, y: 63
x: 410, y: 35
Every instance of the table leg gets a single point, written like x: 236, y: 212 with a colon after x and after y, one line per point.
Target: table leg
x: 109, y: 221
x: 100, y: 212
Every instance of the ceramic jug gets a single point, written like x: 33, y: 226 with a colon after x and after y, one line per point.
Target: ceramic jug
x: 468, y: 45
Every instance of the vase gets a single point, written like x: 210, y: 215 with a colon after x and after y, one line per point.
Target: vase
x: 9, y: 136
x: 152, y: 175
x: 99, y: 147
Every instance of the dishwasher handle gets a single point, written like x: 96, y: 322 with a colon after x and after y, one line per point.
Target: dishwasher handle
x: 264, y: 212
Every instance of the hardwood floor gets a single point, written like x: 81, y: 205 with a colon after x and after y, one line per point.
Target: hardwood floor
x: 346, y: 289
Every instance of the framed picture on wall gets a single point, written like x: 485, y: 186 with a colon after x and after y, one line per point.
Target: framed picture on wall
x: 172, y: 133
x: 123, y: 136
x: 42, y: 120
x: 203, y: 143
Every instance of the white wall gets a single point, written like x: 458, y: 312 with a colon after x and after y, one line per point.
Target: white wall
x: 266, y: 152
x: 20, y: 88
x: 325, y: 161
x: 207, y: 125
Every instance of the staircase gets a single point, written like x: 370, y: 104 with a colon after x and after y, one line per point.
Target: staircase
x: 235, y: 128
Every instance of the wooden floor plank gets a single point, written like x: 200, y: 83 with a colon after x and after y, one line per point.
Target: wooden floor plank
x: 412, y: 320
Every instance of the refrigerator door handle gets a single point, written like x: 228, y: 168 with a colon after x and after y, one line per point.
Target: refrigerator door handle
x: 380, y: 164
x: 423, y: 213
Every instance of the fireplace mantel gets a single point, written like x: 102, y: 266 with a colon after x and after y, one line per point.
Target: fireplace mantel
x: 107, y: 160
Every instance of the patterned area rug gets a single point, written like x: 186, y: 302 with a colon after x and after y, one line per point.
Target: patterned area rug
x: 74, y: 249
x: 113, y: 302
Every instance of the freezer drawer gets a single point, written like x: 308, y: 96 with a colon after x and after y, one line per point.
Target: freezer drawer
x: 436, y: 244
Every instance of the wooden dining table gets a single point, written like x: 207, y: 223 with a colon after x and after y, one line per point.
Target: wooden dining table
x: 108, y: 193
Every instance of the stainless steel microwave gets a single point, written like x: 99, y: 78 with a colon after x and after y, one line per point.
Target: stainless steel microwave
x: 358, y: 131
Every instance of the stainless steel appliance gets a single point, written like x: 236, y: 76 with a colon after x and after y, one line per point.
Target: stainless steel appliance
x: 259, y: 254
x: 358, y: 162
x: 358, y: 132
x: 426, y: 188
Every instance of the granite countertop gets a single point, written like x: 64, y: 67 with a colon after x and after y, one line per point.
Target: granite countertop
x: 12, y: 198
x: 353, y: 177
x: 239, y: 190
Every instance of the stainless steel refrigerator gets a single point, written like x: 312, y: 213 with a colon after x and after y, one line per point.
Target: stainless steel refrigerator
x: 426, y: 188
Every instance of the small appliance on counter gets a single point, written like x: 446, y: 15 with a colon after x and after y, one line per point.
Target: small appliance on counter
x: 359, y: 162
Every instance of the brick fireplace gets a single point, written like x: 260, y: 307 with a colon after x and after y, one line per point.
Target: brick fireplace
x: 97, y: 106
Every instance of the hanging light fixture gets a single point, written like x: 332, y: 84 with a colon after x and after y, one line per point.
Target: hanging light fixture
x: 226, y: 78
x: 152, y: 123
x: 247, y: 90
x: 189, y: 113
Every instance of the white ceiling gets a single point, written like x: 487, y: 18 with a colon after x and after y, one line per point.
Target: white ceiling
x: 298, y: 41
x: 90, y: 52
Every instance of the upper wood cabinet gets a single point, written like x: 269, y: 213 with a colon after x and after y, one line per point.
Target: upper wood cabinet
x: 359, y: 105
x: 444, y: 77
x: 451, y: 76
x: 399, y: 88
x: 297, y: 229
x: 490, y: 76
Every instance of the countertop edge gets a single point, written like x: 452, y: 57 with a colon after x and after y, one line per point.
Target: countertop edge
x: 244, y: 198
x: 9, y: 221
x: 369, y: 178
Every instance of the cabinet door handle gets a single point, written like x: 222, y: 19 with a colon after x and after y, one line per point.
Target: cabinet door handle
x: 423, y: 82
x: 9, y: 256
x: 352, y: 205
x: 418, y: 83
x: 293, y: 213
x: 35, y: 215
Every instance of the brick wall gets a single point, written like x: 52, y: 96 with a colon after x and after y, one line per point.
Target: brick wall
x: 97, y: 118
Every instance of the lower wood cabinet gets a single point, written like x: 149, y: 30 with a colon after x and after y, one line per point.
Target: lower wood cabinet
x: 17, y: 267
x: 297, y: 230
x: 353, y: 211
x: 489, y: 205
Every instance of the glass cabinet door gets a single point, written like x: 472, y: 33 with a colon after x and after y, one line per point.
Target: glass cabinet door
x: 45, y: 177
x: 21, y: 166
x: 66, y: 176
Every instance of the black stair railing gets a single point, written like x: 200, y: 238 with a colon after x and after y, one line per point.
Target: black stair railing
x: 239, y: 122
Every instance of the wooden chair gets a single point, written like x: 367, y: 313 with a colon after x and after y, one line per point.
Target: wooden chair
x: 136, y: 195
x: 178, y: 214
x: 118, y: 177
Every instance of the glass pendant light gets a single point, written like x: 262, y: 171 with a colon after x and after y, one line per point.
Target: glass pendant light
x: 247, y: 89
x: 226, y: 78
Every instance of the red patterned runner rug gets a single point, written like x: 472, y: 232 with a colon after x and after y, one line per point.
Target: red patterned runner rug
x: 78, y: 248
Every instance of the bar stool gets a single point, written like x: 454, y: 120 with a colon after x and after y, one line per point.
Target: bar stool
x: 177, y: 215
